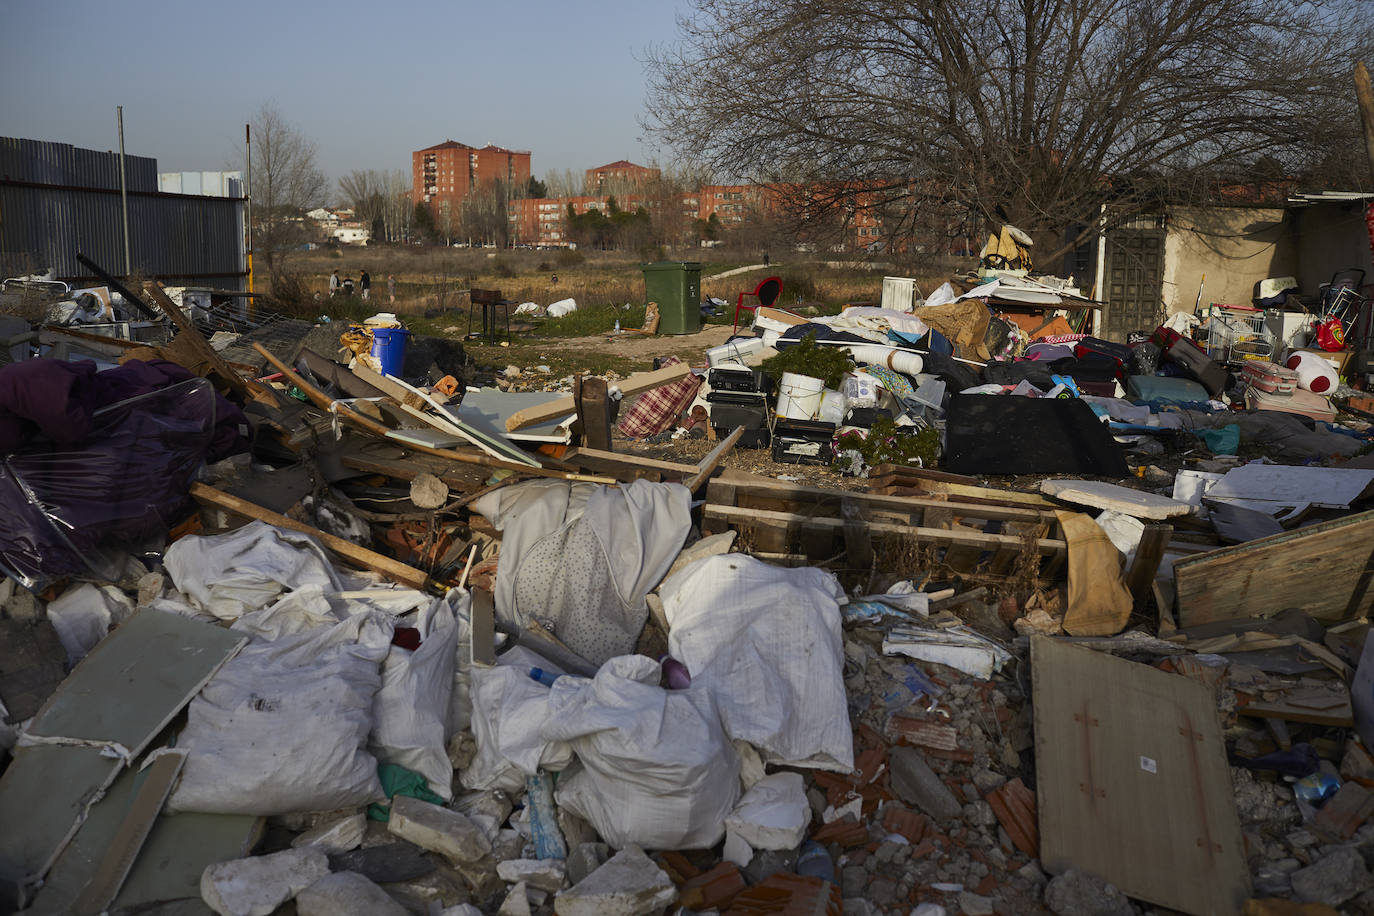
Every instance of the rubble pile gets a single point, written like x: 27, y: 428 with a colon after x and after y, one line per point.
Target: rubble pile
x: 341, y: 633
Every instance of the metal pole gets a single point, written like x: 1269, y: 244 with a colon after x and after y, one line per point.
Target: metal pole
x: 123, y: 190
x: 248, y: 193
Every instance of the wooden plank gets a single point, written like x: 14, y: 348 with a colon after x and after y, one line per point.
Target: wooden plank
x: 245, y: 388
x: 707, y: 466
x: 360, y: 556
x: 1325, y: 569
x: 1148, y: 554
x: 129, y: 838
x: 456, y: 476
x: 369, y: 425
x: 594, y: 410
x: 1125, y: 750
x: 817, y: 498
x: 976, y: 495
x: 858, y: 543
x: 386, y: 384
x: 957, y: 536
x: 635, y: 384
x: 629, y: 464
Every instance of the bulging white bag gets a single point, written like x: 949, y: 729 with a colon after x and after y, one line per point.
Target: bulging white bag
x: 283, y: 725
x: 410, y: 713
x: 766, y: 642
x: 657, y: 770
x: 509, y: 713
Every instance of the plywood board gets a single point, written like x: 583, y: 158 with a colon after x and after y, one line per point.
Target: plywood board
x: 1326, y: 569
x: 1099, y: 495
x: 1132, y: 780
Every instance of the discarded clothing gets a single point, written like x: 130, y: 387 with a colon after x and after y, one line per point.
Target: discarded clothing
x: 658, y: 409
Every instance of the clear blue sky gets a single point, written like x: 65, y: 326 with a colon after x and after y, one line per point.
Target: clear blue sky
x: 369, y: 82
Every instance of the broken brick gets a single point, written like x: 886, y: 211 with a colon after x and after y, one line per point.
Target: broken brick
x: 1014, y: 806
x: 842, y: 833
x: 789, y: 894
x: 925, y: 733
x: 713, y: 889
x: 905, y: 822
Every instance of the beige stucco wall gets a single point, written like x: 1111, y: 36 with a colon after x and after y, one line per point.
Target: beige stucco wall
x: 1331, y: 237
x: 1235, y: 247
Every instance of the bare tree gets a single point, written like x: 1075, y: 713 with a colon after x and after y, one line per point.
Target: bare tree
x: 1034, y: 112
x: 286, y: 183
x: 566, y: 183
x: 365, y: 191
x: 397, y: 208
x: 484, y: 213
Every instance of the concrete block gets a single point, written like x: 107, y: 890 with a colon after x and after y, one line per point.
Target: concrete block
x: 346, y: 894
x: 915, y: 783
x: 334, y: 837
x: 773, y: 814
x: 257, y: 885
x: 585, y: 858
x: 544, y: 874
x: 629, y: 884
x: 437, y: 829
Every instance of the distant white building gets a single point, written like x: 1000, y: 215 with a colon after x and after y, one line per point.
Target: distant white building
x: 338, y: 224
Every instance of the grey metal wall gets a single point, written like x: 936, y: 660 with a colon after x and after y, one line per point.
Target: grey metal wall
x: 56, y: 200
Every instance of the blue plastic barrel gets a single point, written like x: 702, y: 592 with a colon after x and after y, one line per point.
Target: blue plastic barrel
x: 389, y: 346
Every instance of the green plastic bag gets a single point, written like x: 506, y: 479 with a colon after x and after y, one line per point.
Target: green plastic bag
x: 1223, y: 441
x: 397, y: 780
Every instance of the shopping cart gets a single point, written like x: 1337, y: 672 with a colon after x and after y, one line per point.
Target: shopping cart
x: 1236, y: 333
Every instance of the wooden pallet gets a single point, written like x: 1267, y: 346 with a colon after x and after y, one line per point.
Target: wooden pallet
x: 821, y: 524
x: 899, y: 480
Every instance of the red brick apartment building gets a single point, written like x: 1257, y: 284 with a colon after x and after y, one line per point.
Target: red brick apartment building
x: 619, y: 177
x: 449, y: 171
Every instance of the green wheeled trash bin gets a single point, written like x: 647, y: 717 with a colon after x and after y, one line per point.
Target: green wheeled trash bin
x: 676, y: 287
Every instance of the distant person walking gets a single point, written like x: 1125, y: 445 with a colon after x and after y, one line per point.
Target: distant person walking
x: 391, y: 288
x: 365, y: 282
x: 766, y: 260
x: 334, y: 283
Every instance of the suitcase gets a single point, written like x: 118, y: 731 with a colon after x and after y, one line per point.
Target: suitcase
x: 1269, y: 377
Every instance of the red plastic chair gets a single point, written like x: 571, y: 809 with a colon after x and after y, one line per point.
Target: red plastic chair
x: 767, y: 292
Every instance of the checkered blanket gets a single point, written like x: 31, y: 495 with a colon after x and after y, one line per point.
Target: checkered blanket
x: 658, y: 409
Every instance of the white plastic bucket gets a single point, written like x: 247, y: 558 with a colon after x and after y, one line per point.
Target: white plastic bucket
x: 799, y: 396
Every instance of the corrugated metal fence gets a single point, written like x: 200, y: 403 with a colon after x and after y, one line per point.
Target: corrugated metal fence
x: 56, y: 200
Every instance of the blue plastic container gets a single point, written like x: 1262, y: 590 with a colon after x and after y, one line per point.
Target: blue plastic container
x: 389, y: 346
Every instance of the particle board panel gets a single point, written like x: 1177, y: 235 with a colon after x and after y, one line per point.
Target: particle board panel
x: 100, y: 838
x: 1132, y: 780
x: 1326, y: 569
x: 116, y: 701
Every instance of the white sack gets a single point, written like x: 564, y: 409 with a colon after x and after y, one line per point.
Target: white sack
x: 283, y: 725
x: 459, y: 603
x: 579, y: 559
x: 246, y: 569
x: 657, y: 770
x: 509, y: 713
x: 410, y: 712
x: 562, y: 307
x: 82, y: 616
x: 766, y: 641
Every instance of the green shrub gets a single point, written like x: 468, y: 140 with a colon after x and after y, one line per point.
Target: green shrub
x: 829, y: 364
